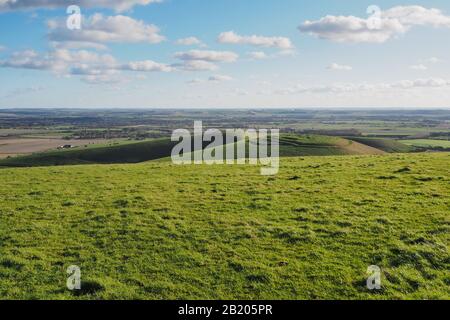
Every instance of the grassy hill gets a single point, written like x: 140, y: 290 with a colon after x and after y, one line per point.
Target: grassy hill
x: 156, y: 230
x: 134, y: 152
x: 290, y: 145
x: 387, y: 145
x: 314, y: 145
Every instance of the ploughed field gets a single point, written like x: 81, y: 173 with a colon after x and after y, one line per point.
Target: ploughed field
x: 155, y: 230
x: 11, y: 147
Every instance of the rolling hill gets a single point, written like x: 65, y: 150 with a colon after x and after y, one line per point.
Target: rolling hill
x: 314, y: 145
x: 290, y: 146
x: 123, y: 153
x: 160, y: 231
x: 387, y: 145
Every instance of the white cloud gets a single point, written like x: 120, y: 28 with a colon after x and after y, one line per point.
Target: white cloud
x: 63, y: 62
x: 419, y: 67
x: 231, y: 37
x: 352, y: 88
x: 118, y: 5
x: 421, y: 83
x: 393, y: 22
x: 103, y: 79
x: 240, y: 92
x: 209, y: 56
x: 196, y: 65
x: 98, y: 30
x: 2, y: 48
x: 258, y: 55
x: 195, y: 81
x: 287, y: 53
x: 203, y: 60
x: 339, y: 67
x: 147, y: 66
x: 417, y: 15
x: 214, y: 78
x: 93, y: 67
x: 433, y: 60
x: 220, y: 78
x: 190, y: 41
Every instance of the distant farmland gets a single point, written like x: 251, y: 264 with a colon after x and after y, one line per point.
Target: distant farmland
x: 428, y: 143
x: 23, y: 146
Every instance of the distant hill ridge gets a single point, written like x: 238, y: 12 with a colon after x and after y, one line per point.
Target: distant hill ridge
x: 291, y: 145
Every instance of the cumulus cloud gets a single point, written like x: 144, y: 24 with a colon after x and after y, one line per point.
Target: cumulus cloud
x: 231, y: 37
x: 118, y: 5
x: 189, y: 41
x: 98, y: 30
x: 391, y: 23
x: 419, y: 67
x: 147, y: 66
x: 433, y: 60
x: 421, y: 83
x: 219, y: 78
x: 93, y: 67
x: 352, y: 88
x: 258, y: 55
x: 196, y: 65
x: 195, y: 81
x: 64, y: 62
x: 203, y: 60
x: 214, y: 78
x: 339, y: 67
x: 209, y: 56
x: 287, y: 53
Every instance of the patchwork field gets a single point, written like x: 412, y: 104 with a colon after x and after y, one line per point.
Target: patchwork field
x: 425, y: 143
x: 15, y: 147
x: 159, y: 231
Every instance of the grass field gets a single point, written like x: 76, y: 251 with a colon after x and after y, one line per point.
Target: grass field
x: 135, y: 152
x: 159, y: 231
x: 428, y: 143
x: 314, y: 145
x: 387, y: 145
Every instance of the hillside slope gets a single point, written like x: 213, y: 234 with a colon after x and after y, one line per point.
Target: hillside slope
x: 123, y: 153
x: 387, y: 145
x: 313, y: 145
x: 290, y: 145
x: 160, y: 231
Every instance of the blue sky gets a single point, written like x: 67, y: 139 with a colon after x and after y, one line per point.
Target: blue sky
x: 225, y: 53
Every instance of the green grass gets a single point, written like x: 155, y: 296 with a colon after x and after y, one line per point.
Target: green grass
x: 387, y: 145
x: 428, y: 143
x: 314, y: 145
x: 126, y: 152
x: 160, y: 231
